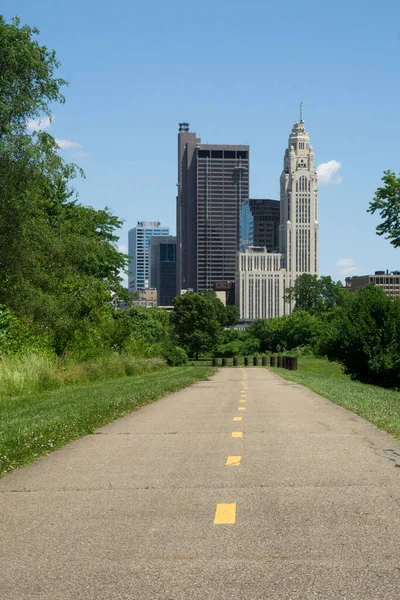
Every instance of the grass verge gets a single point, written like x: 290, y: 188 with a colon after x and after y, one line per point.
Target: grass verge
x: 378, y: 405
x: 34, y: 373
x: 33, y: 425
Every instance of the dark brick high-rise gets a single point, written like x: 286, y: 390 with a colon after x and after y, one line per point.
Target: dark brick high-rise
x: 213, y: 181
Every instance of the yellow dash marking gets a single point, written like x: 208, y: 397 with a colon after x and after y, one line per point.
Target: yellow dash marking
x: 237, y: 434
x: 233, y: 461
x: 241, y: 408
x: 242, y: 400
x: 225, y: 514
x: 237, y: 419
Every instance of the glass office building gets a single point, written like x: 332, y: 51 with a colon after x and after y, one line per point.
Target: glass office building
x: 138, y: 250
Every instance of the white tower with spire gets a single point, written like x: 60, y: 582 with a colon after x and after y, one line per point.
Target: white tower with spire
x: 262, y: 277
x: 299, y: 204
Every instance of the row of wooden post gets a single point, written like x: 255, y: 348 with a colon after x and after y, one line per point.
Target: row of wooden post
x: 284, y: 362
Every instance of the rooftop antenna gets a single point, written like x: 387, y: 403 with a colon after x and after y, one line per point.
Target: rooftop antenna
x: 301, y: 113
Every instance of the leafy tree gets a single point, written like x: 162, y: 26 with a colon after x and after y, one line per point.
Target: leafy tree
x: 387, y: 203
x: 59, y: 264
x: 28, y: 84
x: 218, y: 305
x: 365, y: 338
x: 138, y: 324
x: 287, y: 332
x: 316, y: 295
x: 195, y: 320
x: 232, y: 315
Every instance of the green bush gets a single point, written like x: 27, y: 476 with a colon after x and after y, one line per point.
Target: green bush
x: 288, y: 332
x: 365, y: 338
x: 175, y: 356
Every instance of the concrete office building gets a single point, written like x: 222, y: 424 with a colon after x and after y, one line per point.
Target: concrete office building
x: 138, y: 250
x: 213, y: 181
x: 388, y: 282
x: 163, y: 268
x: 259, y: 224
x: 263, y: 277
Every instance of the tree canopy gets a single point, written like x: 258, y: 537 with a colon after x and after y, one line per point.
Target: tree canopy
x: 196, y: 323
x: 387, y: 203
x: 316, y: 295
x: 59, y: 263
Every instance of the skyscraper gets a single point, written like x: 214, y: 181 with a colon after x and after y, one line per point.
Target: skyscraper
x: 163, y: 268
x: 299, y: 204
x: 138, y: 250
x: 213, y: 181
x: 259, y: 224
x: 263, y: 277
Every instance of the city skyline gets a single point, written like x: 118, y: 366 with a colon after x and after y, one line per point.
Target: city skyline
x: 131, y: 83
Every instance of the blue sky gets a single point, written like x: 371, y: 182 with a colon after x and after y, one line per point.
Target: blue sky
x: 237, y: 71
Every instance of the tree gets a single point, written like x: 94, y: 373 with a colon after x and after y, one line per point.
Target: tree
x: 316, y: 295
x: 139, y: 325
x: 232, y: 315
x: 365, y: 338
x: 28, y: 84
x: 196, y: 323
x: 59, y: 264
x: 218, y: 305
x: 387, y: 202
x: 287, y: 332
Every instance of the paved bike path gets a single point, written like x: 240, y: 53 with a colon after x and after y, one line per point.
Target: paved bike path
x: 172, y: 503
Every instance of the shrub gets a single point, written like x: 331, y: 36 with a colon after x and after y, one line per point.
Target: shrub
x: 175, y: 356
x: 365, y: 338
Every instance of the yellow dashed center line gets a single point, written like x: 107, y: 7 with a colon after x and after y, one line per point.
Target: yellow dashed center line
x: 233, y: 461
x: 237, y: 419
x: 237, y: 434
x: 225, y: 514
x: 242, y: 400
x: 241, y: 408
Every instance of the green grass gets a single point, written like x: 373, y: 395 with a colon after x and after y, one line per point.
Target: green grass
x: 33, y: 373
x: 378, y: 405
x: 35, y: 424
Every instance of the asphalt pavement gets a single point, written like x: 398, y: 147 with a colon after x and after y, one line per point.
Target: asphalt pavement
x: 245, y: 486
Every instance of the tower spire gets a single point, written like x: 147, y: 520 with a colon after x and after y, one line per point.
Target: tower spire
x: 301, y: 113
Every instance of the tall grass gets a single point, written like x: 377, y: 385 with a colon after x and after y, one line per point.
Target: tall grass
x: 33, y: 372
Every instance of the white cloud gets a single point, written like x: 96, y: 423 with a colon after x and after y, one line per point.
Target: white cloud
x: 40, y: 124
x: 327, y: 172
x: 347, y: 266
x: 44, y: 123
x: 67, y: 144
x: 123, y: 249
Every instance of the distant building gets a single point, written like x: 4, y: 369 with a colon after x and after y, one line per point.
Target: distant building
x: 228, y: 287
x: 213, y: 181
x: 388, y: 282
x: 260, y: 284
x: 263, y: 277
x: 163, y: 268
x: 259, y: 224
x: 146, y: 298
x: 138, y: 250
